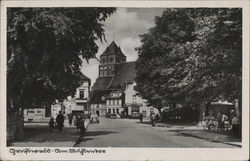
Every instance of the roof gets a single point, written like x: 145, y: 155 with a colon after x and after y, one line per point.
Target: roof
x: 96, y: 96
x: 84, y: 77
x: 125, y: 72
x: 102, y: 83
x: 113, y: 49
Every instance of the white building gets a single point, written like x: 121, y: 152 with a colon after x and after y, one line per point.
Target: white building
x: 115, y: 102
x: 76, y: 105
x: 135, y: 104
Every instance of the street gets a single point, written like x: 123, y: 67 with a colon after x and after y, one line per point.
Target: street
x: 132, y: 133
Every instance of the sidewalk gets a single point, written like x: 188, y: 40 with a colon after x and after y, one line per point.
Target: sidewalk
x: 214, y: 136
x: 174, y: 126
x: 38, y: 135
x: 197, y: 131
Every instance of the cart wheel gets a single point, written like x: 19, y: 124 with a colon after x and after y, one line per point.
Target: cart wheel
x: 211, y: 127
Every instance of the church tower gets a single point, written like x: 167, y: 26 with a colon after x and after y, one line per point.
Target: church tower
x: 108, y: 60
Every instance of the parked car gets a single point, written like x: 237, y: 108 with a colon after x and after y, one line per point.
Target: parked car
x: 107, y: 115
x: 94, y: 119
x: 113, y: 116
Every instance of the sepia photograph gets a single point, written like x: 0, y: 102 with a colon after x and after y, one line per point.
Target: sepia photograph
x: 117, y: 77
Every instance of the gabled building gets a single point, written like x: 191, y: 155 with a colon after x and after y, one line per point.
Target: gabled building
x: 98, y: 102
x: 114, y: 75
x: 115, y: 102
x: 76, y: 105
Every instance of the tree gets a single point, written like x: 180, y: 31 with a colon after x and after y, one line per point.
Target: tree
x: 215, y: 56
x: 44, y: 51
x: 156, y: 62
x: 196, y: 69
x: 45, y: 46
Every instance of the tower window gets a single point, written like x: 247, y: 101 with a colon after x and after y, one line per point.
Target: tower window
x: 111, y: 59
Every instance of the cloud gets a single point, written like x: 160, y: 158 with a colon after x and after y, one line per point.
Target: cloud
x: 124, y: 27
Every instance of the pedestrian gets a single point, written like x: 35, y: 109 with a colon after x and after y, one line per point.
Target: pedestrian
x: 153, y: 117
x: 219, y: 119
x: 81, y: 124
x: 52, y: 124
x: 70, y: 116
x: 78, y: 119
x: 235, y: 125
x: 157, y: 117
x: 60, y: 121
x: 141, y: 117
x: 224, y: 119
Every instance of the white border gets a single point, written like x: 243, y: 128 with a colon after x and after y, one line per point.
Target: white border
x: 136, y: 153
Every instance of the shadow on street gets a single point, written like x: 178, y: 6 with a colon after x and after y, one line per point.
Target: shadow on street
x: 42, y: 133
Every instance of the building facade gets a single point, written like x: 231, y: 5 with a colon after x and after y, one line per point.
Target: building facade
x: 115, y: 102
x: 134, y: 104
x: 113, y: 89
x: 76, y: 105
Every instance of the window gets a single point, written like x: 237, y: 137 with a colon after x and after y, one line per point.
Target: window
x: 111, y: 59
x: 108, y: 72
x: 105, y: 73
x: 101, y: 73
x: 120, y: 102
x: 134, y: 98
x: 103, y: 60
x: 113, y: 102
x: 81, y: 93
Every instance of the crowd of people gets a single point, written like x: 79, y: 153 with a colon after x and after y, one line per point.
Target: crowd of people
x: 78, y: 121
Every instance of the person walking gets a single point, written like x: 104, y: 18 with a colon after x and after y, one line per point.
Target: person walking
x: 52, y: 124
x: 141, y: 117
x: 235, y: 126
x: 223, y: 121
x: 153, y: 119
x: 70, y: 116
x: 60, y: 121
x: 219, y: 119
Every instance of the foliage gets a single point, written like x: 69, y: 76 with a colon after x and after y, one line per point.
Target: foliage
x: 191, y: 56
x: 44, y: 50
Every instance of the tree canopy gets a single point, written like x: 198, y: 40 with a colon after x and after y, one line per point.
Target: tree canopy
x: 191, y: 56
x: 44, y: 51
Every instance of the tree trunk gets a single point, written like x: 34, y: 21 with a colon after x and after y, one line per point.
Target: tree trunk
x: 19, y: 132
x: 201, y: 113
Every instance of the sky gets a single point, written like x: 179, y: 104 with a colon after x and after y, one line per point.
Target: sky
x: 124, y: 27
